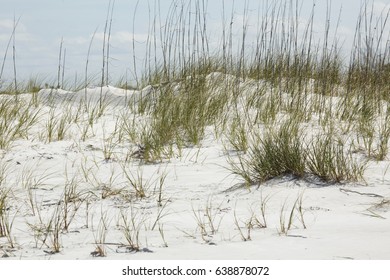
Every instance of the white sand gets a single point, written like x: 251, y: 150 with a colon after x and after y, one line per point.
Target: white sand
x: 349, y: 221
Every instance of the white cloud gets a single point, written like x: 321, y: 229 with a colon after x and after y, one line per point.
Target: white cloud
x: 123, y: 37
x: 381, y: 8
x: 6, y: 28
x: 6, y: 25
x: 21, y: 34
x: 127, y: 37
x: 78, y: 40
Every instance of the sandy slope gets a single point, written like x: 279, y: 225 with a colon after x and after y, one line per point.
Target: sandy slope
x: 342, y: 221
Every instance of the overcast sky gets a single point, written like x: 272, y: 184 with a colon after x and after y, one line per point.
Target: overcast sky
x: 44, y: 23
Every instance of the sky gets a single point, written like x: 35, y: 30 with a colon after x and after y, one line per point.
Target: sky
x: 44, y: 24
